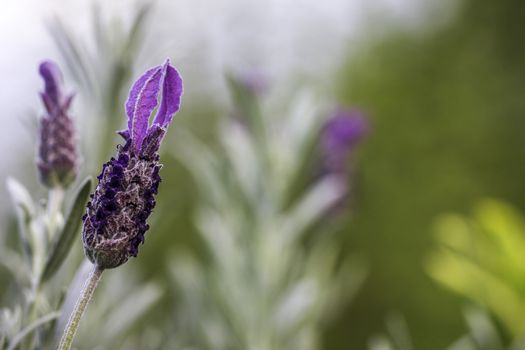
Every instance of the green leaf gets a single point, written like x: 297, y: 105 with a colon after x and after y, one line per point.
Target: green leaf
x: 32, y: 327
x: 20, y: 196
x: 25, y: 211
x: 63, y: 241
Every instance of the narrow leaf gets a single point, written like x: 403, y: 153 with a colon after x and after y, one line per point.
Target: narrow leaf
x: 26, y: 331
x: 20, y: 196
x: 63, y: 241
x: 25, y: 212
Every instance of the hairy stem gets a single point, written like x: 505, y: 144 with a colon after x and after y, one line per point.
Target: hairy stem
x: 85, y: 296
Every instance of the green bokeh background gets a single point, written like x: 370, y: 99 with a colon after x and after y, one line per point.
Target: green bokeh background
x: 447, y: 113
x: 448, y: 110
x: 447, y: 119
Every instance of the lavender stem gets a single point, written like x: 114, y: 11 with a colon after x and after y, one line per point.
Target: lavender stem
x: 55, y: 199
x: 85, y: 296
x: 54, y: 207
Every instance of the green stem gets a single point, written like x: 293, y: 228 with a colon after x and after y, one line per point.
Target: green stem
x: 54, y: 206
x: 85, y: 296
x: 32, y: 313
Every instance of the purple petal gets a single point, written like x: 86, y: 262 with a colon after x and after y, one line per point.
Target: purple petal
x: 171, y: 94
x: 141, y: 102
x: 134, y: 92
x: 53, y: 80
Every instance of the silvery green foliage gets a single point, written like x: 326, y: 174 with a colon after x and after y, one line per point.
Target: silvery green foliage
x: 34, y: 318
x: 45, y: 238
x: 263, y: 287
x: 115, y: 316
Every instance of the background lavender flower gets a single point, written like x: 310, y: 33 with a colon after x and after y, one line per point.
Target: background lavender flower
x: 115, y: 222
x: 340, y: 135
x: 255, y: 81
x: 57, y: 152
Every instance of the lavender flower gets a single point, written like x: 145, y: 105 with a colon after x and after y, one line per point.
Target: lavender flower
x: 115, y: 221
x: 255, y: 81
x: 57, y: 153
x: 340, y: 135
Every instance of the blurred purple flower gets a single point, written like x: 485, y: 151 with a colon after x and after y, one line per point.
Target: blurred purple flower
x: 115, y: 221
x: 57, y: 152
x: 341, y: 133
x: 254, y: 81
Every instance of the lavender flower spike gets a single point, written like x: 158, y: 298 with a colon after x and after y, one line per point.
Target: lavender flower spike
x: 57, y: 152
x: 340, y: 136
x: 115, y: 221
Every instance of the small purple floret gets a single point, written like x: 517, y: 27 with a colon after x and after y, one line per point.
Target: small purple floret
x: 116, y: 219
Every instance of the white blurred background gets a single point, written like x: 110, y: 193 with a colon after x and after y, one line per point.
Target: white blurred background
x: 282, y: 39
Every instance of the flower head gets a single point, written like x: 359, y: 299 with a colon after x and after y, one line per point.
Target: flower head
x: 115, y: 221
x: 340, y: 135
x: 57, y: 152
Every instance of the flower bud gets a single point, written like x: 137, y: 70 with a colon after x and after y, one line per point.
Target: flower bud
x: 57, y: 151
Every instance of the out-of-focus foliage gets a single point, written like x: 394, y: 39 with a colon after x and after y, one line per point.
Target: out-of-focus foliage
x: 264, y: 285
x: 396, y: 338
x: 102, y: 73
x: 447, y: 107
x: 481, y: 257
x: 45, y: 240
x: 482, y: 334
x: 121, y: 303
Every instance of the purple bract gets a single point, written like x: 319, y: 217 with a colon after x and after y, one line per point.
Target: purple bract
x: 116, y: 217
